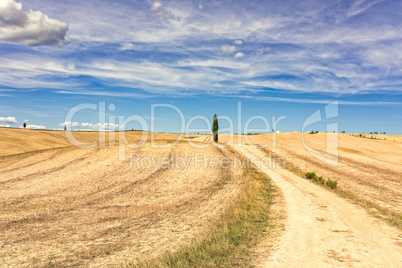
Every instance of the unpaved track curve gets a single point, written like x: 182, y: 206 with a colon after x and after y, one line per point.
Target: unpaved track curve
x: 324, y: 230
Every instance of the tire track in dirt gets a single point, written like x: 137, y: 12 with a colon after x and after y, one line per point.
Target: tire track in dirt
x: 155, y: 174
x: 16, y: 164
x: 324, y: 230
x: 46, y: 171
x: 361, y: 166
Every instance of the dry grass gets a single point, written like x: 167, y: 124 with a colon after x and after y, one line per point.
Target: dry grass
x: 235, y: 233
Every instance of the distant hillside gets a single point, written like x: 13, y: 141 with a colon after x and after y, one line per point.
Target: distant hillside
x: 16, y: 141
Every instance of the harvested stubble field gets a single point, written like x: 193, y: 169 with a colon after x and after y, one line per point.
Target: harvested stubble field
x: 369, y: 170
x: 72, y: 206
x: 67, y: 206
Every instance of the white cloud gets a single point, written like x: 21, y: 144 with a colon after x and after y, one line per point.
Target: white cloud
x: 26, y: 121
x: 228, y: 48
x: 132, y: 23
x: 156, y: 5
x: 89, y: 126
x: 86, y: 125
x: 276, y: 85
x: 175, y: 22
x: 71, y: 66
x: 69, y: 124
x: 11, y: 13
x: 8, y: 120
x: 230, y: 64
x: 106, y: 126
x: 4, y: 125
x: 360, y: 6
x: 322, y: 101
x: 200, y: 7
x: 310, y: 67
x: 161, y: 14
x: 127, y: 46
x: 239, y: 55
x: 310, y: 73
x: 260, y: 51
x: 31, y: 28
x: 104, y: 93
x: 34, y: 127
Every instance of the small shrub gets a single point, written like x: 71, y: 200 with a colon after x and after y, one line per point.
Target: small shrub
x: 332, y: 183
x: 319, y: 180
x: 310, y: 175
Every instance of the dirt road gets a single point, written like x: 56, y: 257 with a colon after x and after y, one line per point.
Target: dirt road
x: 324, y: 230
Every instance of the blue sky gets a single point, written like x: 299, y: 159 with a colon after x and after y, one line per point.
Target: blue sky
x: 278, y: 58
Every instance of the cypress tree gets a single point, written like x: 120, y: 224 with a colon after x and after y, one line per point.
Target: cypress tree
x: 215, y: 128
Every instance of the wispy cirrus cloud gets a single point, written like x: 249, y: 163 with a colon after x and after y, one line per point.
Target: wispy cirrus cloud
x: 325, y: 101
x: 175, y: 47
x: 315, y: 70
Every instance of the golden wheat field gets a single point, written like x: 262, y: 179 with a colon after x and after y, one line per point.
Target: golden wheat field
x: 71, y: 206
x: 369, y: 168
x: 62, y: 205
